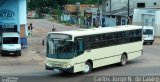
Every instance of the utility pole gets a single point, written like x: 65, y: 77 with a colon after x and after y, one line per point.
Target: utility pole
x: 78, y: 12
x: 110, y: 5
x: 99, y: 14
x: 128, y: 12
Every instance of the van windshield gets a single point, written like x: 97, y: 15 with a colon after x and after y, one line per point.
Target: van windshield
x: 147, y: 32
x: 10, y: 40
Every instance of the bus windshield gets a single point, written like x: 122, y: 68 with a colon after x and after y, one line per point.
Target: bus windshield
x: 60, y: 49
x: 147, y: 32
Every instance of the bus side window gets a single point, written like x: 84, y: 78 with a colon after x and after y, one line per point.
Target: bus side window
x: 79, y: 46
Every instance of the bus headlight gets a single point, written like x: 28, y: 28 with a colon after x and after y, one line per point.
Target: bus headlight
x: 67, y: 66
x: 47, y: 64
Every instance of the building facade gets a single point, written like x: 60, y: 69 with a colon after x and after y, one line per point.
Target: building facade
x: 13, y: 15
x: 85, y: 15
x: 117, y: 10
x: 148, y: 17
x: 111, y: 5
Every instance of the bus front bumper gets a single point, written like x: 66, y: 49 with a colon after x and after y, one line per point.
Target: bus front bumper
x: 70, y: 70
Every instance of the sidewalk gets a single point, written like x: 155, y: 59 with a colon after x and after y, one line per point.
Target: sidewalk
x: 157, y: 41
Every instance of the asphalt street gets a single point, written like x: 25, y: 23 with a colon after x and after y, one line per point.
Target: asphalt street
x: 30, y: 65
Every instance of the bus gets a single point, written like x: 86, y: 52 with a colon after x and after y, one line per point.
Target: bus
x: 85, y: 49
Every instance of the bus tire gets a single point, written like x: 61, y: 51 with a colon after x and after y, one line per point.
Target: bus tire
x: 87, y: 68
x: 123, y: 60
x: 151, y: 43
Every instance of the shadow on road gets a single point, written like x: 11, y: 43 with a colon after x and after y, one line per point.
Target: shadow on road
x: 100, y: 69
x: 117, y: 65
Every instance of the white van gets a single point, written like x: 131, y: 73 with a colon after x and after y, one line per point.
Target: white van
x: 148, y: 34
x: 10, y: 44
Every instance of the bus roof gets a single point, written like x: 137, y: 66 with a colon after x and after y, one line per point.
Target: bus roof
x: 82, y: 32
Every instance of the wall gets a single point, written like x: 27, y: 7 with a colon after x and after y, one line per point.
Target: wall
x: 136, y: 17
x: 109, y: 21
x: 23, y: 16
x: 11, y: 8
x: 157, y: 23
x: 13, y: 12
x: 118, y: 4
x: 140, y: 15
x: 148, y: 3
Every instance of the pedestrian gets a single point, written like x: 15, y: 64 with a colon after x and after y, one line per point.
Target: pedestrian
x: 53, y: 28
x: 30, y: 28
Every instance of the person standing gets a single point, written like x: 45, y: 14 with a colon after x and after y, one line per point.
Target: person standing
x: 30, y: 27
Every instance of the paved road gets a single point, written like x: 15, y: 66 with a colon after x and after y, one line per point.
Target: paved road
x: 147, y: 64
x: 47, y: 26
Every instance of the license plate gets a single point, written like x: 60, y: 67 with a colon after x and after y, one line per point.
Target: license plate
x: 11, y: 53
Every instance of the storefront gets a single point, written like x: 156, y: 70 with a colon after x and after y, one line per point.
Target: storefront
x: 13, y: 17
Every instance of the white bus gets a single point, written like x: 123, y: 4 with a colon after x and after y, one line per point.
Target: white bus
x: 84, y: 49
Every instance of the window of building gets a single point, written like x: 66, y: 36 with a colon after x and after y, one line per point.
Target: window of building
x: 141, y: 5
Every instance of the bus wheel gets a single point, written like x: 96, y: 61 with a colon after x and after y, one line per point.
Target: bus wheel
x: 87, y: 68
x: 123, y: 60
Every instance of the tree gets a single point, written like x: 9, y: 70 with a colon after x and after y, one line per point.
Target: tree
x: 44, y: 5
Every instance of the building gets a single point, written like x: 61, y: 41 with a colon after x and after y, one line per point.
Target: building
x: 110, y: 5
x: 13, y: 15
x: 92, y: 17
x: 148, y: 17
x: 118, y: 12
x: 84, y: 15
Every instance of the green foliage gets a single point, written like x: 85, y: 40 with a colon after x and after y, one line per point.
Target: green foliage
x: 58, y: 11
x: 38, y: 4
